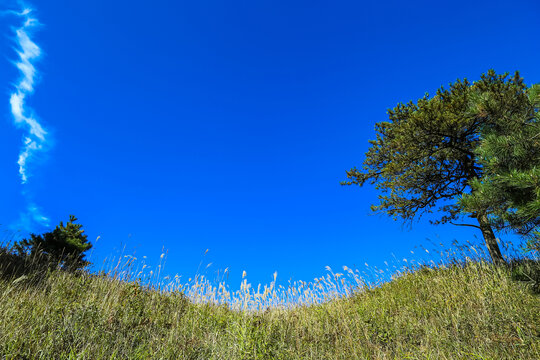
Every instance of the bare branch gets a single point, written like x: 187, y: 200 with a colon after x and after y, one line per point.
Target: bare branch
x: 471, y: 225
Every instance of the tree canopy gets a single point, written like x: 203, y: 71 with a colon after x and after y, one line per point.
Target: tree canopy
x: 424, y: 158
x: 64, y: 246
x: 510, y: 158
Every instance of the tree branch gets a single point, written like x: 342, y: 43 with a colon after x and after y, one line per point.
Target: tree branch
x: 471, y: 225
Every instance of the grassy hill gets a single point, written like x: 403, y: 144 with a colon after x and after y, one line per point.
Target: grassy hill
x: 474, y: 311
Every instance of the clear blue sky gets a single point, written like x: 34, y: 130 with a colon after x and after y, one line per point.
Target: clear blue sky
x: 228, y: 125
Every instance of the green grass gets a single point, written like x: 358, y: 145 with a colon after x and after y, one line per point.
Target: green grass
x: 475, y: 311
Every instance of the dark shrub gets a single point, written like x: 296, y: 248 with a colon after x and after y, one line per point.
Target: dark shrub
x: 63, y: 247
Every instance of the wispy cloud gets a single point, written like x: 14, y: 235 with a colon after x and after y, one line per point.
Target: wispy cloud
x: 28, y: 219
x: 36, y: 139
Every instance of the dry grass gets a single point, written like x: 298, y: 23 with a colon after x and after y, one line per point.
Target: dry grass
x: 453, y: 311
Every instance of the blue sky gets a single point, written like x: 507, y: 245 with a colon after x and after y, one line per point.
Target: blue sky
x: 228, y: 125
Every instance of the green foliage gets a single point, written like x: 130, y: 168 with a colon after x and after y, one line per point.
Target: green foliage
x: 509, y: 154
x: 64, y: 246
x: 527, y: 271
x: 533, y: 243
x: 424, y: 155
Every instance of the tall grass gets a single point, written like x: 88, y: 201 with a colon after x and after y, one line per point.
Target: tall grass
x: 458, y: 307
x: 333, y: 285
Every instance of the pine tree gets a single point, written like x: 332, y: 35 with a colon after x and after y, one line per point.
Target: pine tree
x: 64, y: 246
x: 510, y: 157
x: 423, y: 159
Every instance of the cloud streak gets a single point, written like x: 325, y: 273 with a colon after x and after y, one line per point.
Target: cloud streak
x: 36, y: 139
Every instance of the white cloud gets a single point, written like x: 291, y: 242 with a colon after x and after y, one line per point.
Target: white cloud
x: 37, y: 215
x: 29, y: 219
x: 36, y: 138
x: 28, y: 51
x: 18, y: 109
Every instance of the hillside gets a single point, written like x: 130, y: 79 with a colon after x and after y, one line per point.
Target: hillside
x: 454, y: 312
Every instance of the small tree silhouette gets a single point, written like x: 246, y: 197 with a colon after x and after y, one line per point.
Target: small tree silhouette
x: 64, y: 246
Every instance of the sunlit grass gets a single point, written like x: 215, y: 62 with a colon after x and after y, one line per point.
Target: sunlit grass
x: 456, y: 307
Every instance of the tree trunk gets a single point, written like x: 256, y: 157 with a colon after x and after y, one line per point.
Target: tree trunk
x: 489, y: 238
